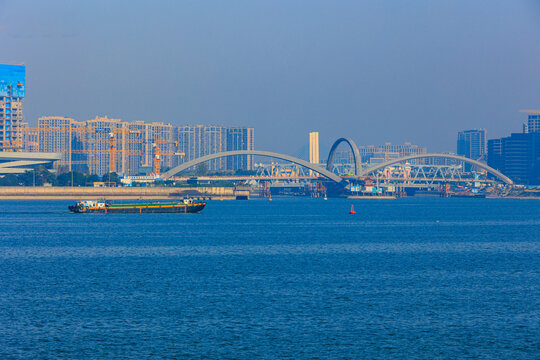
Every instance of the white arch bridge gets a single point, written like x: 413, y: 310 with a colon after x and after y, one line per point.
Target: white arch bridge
x: 327, y: 173
x: 323, y: 172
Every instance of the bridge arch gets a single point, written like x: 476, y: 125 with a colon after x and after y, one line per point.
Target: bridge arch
x: 328, y: 174
x: 481, y: 165
x: 356, y: 155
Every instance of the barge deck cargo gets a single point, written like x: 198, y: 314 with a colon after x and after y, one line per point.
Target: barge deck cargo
x: 102, y: 207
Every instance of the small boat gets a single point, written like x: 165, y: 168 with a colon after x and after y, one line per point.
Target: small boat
x: 103, y: 207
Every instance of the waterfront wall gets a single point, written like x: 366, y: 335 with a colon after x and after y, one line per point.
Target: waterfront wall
x: 113, y: 193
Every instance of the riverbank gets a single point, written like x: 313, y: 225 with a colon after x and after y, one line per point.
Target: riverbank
x: 119, y: 193
x: 381, y: 197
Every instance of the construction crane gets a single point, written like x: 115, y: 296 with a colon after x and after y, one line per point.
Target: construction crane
x: 157, y: 153
x: 107, y: 143
x: 110, y: 140
x: 112, y: 144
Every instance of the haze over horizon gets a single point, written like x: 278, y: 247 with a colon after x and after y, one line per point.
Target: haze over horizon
x: 374, y: 71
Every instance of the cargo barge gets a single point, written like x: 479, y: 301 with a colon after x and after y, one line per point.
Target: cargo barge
x: 103, y: 207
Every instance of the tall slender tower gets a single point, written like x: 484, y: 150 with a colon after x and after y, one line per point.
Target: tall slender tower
x: 314, y: 147
x: 12, y: 80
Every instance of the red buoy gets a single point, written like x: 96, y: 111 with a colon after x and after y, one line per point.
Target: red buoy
x: 352, y: 210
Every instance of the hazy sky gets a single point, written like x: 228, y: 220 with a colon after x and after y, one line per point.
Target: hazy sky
x: 375, y: 71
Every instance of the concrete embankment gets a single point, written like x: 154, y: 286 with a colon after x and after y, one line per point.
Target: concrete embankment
x: 117, y: 193
x: 375, y: 197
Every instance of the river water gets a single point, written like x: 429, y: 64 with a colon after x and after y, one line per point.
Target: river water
x: 416, y: 278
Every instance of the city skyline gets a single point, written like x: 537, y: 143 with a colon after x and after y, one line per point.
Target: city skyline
x: 524, y: 124
x: 382, y: 71
x: 103, y: 144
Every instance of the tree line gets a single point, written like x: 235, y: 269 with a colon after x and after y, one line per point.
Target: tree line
x: 41, y: 176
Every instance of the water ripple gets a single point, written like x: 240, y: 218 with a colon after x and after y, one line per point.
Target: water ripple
x: 277, y: 249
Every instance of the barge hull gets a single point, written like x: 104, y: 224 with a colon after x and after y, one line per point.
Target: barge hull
x: 179, y: 209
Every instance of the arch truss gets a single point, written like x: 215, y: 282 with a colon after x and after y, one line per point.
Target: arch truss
x: 355, y: 152
x: 323, y: 172
x: 478, y: 164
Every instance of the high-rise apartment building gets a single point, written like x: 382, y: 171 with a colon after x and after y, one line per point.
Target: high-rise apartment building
x: 124, y: 147
x: 104, y: 133
x: 30, y: 138
x: 103, y: 145
x: 472, y: 143
x: 161, y: 143
x: 240, y: 138
x: 12, y: 91
x: 56, y: 134
x: 86, y: 146
x: 138, y: 146
x: 200, y: 140
x: 214, y: 141
x: 533, y: 123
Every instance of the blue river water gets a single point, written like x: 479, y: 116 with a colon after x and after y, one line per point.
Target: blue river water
x: 415, y: 278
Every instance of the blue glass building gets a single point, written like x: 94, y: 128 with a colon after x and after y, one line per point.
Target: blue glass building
x: 517, y: 156
x: 472, y: 143
x: 12, y: 91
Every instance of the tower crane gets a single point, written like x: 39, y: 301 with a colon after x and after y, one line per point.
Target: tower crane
x: 112, y: 144
x: 157, y: 153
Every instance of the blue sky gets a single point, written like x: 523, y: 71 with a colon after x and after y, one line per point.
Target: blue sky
x: 375, y: 71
